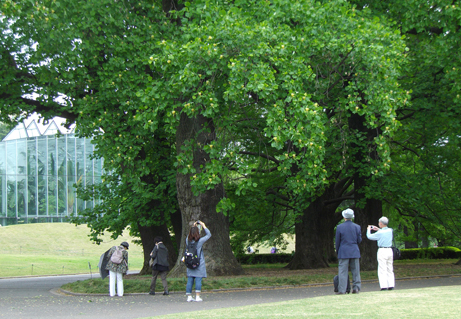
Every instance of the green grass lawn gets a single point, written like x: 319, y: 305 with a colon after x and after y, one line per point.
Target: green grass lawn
x: 55, y: 249
x: 434, y: 302
x: 41, y: 265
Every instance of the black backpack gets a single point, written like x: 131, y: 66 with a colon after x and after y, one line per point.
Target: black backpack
x: 191, y: 259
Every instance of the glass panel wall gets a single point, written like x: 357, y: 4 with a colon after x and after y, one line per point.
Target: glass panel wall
x: 37, y: 177
x: 81, y: 159
x: 21, y: 179
x: 61, y: 177
x: 42, y: 181
x: 3, y: 177
x: 71, y: 175
x: 32, y: 178
x: 11, y: 170
x: 52, y: 206
x: 89, y: 169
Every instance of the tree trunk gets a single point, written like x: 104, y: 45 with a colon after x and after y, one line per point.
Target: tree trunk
x: 368, y: 215
x: 176, y: 221
x: 147, y: 234
x: 314, y: 234
x: 411, y: 244
x: 218, y: 253
x: 367, y: 210
x: 424, y: 236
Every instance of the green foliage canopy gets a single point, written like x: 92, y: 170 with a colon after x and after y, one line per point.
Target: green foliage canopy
x: 279, y: 81
x: 424, y: 182
x: 85, y: 61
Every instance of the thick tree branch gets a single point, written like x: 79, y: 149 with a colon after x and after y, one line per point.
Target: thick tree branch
x: 336, y: 200
x: 406, y: 148
x: 434, y: 30
x: 336, y: 70
x: 271, y: 158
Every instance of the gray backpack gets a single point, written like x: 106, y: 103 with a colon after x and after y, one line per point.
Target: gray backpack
x: 117, y: 255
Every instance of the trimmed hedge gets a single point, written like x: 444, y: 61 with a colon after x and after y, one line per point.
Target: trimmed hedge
x: 431, y: 253
x: 414, y: 253
x: 254, y: 259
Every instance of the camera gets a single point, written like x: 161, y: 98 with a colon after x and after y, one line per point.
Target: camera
x: 198, y: 222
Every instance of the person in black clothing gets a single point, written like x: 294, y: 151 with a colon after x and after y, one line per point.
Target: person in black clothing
x: 160, y: 265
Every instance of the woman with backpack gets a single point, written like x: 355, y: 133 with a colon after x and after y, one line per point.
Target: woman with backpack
x: 160, y: 265
x: 195, y: 241
x: 117, y: 266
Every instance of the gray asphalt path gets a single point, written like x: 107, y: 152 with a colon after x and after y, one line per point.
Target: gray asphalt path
x: 39, y: 297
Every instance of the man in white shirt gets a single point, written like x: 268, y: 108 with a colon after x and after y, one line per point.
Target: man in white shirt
x: 384, y: 237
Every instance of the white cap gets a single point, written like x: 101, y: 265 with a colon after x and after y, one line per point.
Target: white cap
x: 348, y: 213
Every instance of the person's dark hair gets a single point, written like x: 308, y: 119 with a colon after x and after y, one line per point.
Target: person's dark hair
x: 194, y: 234
x: 157, y: 239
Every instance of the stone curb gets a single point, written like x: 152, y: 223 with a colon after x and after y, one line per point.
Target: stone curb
x: 70, y: 293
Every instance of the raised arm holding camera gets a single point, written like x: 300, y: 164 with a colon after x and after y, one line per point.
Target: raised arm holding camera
x: 195, y: 259
x: 384, y: 236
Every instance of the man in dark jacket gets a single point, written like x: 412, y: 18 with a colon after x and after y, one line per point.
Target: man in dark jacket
x: 160, y: 265
x: 348, y: 238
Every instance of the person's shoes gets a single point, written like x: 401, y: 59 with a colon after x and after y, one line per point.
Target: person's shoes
x: 355, y: 291
x: 189, y: 299
x: 340, y: 293
x: 152, y: 293
x: 383, y: 289
x: 198, y: 298
x: 166, y: 293
x: 390, y: 288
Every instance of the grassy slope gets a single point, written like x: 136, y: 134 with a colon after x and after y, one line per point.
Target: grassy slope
x: 56, y: 248
x: 56, y: 238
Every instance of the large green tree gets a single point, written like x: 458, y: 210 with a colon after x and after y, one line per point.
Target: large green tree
x: 303, y: 91
x: 424, y: 181
x: 85, y: 61
x: 306, y: 91
x: 140, y: 193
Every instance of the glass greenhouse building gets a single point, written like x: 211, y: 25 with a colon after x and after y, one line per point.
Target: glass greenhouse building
x: 38, y: 170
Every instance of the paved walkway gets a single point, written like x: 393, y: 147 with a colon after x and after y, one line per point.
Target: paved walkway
x: 40, y: 297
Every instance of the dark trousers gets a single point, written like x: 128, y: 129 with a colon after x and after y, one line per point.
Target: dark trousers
x: 163, y: 274
x: 343, y: 270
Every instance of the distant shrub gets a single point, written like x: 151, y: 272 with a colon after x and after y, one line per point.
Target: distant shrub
x: 254, y: 259
x: 414, y: 253
x: 431, y: 253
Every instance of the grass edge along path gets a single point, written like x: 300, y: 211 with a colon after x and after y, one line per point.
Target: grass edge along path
x: 439, y: 302
x: 267, y: 277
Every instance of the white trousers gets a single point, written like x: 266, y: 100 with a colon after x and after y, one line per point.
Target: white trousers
x: 112, y: 276
x: 386, y: 268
